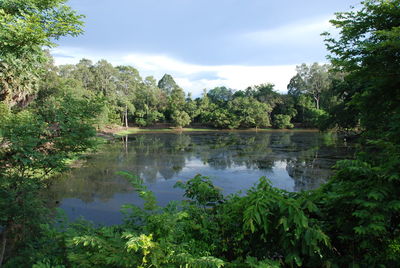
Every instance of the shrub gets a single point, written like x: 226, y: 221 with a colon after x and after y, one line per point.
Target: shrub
x: 282, y: 121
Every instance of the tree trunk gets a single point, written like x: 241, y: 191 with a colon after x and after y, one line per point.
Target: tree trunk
x: 317, y: 102
x: 126, y: 116
x: 3, y: 245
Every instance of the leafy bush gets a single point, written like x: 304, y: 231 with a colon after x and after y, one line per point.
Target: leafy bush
x: 361, y: 205
x: 315, y: 118
x: 180, y: 118
x: 250, y: 112
x: 221, y: 118
x: 282, y: 121
x: 35, y: 145
x: 267, y: 227
x: 147, y: 118
x: 201, y: 189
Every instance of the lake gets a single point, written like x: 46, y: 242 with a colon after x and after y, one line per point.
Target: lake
x: 292, y: 160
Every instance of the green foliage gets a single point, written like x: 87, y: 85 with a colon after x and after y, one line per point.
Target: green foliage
x: 35, y: 145
x: 147, y: 118
x: 219, y: 118
x: 150, y: 102
x: 281, y: 221
x: 191, y: 108
x: 367, y: 49
x: 286, y: 106
x: 107, y: 116
x: 315, y: 80
x: 361, y: 201
x: 220, y: 95
x: 250, y: 112
x: 50, y: 19
x: 316, y: 118
x: 264, y: 93
x: 167, y: 84
x: 107, y: 247
x: 144, y: 193
x: 180, y: 118
x: 129, y: 81
x: 282, y: 121
x: 144, y: 103
x: 254, y: 263
x: 271, y: 225
x: 4, y: 114
x: 313, y: 95
x: 244, y: 112
x: 21, y: 56
x: 201, y: 190
x: 361, y: 205
x: 352, y: 220
x: 145, y: 240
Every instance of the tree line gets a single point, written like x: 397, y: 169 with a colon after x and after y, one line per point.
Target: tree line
x: 128, y: 99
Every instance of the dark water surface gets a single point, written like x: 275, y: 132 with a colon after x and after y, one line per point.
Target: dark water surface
x: 293, y: 161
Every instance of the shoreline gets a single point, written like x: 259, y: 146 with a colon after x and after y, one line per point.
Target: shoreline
x: 111, y: 133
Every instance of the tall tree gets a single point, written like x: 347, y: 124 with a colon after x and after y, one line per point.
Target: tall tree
x: 167, y: 84
x: 363, y: 196
x: 84, y: 73
x: 105, y: 78
x: 191, y: 107
x: 220, y: 95
x: 150, y: 102
x: 296, y: 86
x: 33, y: 144
x: 128, y: 82
x: 264, y: 93
x: 312, y: 79
x: 368, y: 51
x: 175, y: 94
x: 21, y: 49
x: 176, y: 101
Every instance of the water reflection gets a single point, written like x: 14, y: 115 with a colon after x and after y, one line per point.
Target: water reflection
x: 293, y: 161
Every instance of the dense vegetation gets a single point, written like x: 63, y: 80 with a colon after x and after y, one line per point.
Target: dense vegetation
x: 49, y: 114
x: 130, y: 99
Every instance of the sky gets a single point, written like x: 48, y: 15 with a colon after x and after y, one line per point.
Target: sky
x: 204, y: 43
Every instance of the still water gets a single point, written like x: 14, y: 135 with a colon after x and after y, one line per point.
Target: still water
x: 293, y: 161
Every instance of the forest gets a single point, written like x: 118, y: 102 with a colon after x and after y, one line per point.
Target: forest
x: 127, y: 98
x: 49, y: 115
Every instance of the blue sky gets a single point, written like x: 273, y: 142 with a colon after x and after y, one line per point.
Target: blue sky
x: 204, y: 43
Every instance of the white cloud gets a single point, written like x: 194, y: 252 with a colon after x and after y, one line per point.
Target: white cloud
x: 302, y: 32
x: 192, y: 77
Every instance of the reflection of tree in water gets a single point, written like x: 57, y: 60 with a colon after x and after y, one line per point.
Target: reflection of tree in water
x: 312, y: 167
x: 216, y: 151
x: 307, y: 170
x: 144, y: 156
x: 239, y: 149
x: 96, y: 179
x: 163, y: 156
x: 172, y: 160
x: 309, y: 156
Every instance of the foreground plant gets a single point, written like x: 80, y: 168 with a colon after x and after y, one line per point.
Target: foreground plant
x: 34, y: 145
x: 267, y: 227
